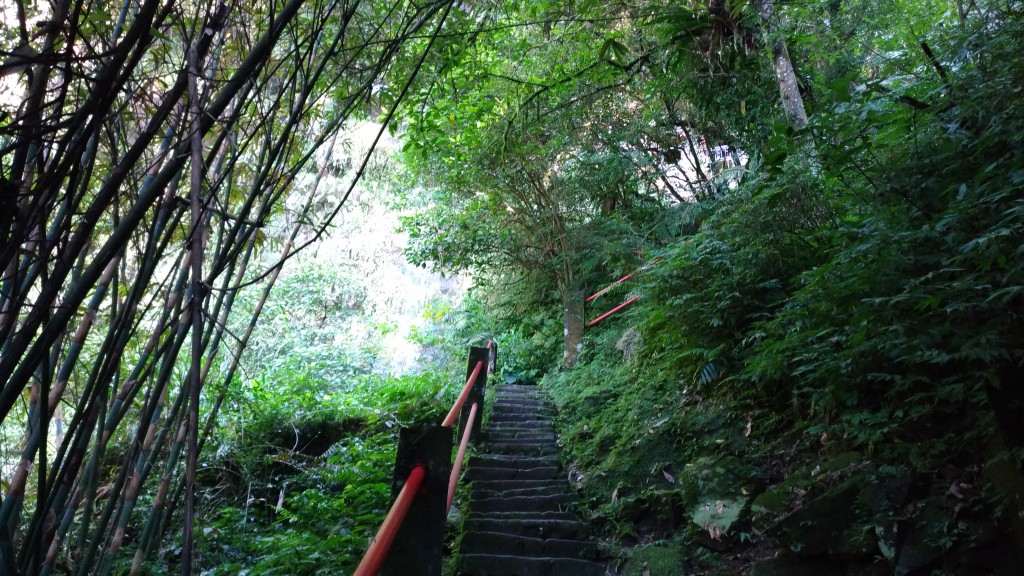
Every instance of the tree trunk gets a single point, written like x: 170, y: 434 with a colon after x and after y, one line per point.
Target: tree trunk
x: 572, y: 319
x: 789, y: 89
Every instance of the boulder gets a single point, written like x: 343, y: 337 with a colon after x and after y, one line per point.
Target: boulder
x: 655, y: 560
x: 829, y: 525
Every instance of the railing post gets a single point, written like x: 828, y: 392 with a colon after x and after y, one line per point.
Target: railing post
x: 419, y: 546
x: 476, y: 395
x: 493, y: 367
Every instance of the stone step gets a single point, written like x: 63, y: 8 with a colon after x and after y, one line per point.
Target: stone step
x: 543, y: 435
x: 506, y: 544
x: 520, y: 411
x: 500, y: 485
x: 524, y: 447
x: 496, y: 565
x: 505, y: 432
x: 513, y: 417
x: 559, y: 490
x: 513, y: 461
x: 521, y: 425
x: 521, y: 402
x: 521, y: 395
x: 549, y: 515
x: 526, y: 414
x: 489, y: 473
x: 533, y: 527
x: 557, y: 503
x: 525, y: 396
x: 514, y: 388
x: 520, y: 435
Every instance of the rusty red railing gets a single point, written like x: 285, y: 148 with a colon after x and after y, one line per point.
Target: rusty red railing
x: 612, y: 311
x: 376, y: 555
x: 453, y: 480
x: 378, y: 550
x: 457, y: 407
x: 613, y: 285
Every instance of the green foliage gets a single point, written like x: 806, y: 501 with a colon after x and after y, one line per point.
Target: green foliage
x: 860, y: 289
x: 328, y: 514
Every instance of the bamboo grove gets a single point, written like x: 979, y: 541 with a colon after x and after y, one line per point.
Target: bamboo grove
x: 147, y: 146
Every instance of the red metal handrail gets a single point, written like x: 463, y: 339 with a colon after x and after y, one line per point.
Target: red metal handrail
x: 609, y: 287
x: 457, y: 407
x: 374, y: 557
x: 612, y: 311
x: 453, y: 480
x: 621, y: 280
x: 372, y: 561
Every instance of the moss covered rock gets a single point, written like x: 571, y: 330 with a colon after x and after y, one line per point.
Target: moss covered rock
x: 655, y: 560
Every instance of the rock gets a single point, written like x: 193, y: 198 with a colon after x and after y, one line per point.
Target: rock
x: 883, y: 499
x: 793, y: 566
x: 721, y: 506
x: 997, y: 558
x: 920, y: 549
x: 655, y: 561
x: 828, y: 525
x: 716, y: 521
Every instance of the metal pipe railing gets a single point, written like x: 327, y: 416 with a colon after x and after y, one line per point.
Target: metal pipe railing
x: 453, y: 480
x: 457, y: 407
x: 612, y: 311
x: 378, y: 550
x: 609, y: 287
x: 621, y: 280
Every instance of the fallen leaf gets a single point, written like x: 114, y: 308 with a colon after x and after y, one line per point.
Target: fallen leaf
x: 955, y: 491
x: 713, y: 531
x: 671, y: 479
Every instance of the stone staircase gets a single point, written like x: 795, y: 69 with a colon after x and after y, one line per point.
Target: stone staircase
x: 520, y: 520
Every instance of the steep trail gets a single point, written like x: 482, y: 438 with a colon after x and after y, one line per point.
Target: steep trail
x: 521, y: 520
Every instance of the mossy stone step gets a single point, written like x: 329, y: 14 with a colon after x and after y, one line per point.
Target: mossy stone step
x: 520, y: 388
x: 497, y: 565
x: 506, y: 544
x: 488, y: 473
x: 505, y: 395
x: 549, y: 515
x: 521, y: 520
x: 559, y: 490
x: 512, y: 461
x: 505, y: 430
x: 532, y: 527
x: 518, y: 417
x: 517, y: 402
x: 556, y: 503
x: 524, y: 447
x: 499, y: 485
x: 520, y: 435
x: 544, y: 425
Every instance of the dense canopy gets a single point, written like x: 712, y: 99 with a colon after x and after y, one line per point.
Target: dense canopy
x: 212, y: 321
